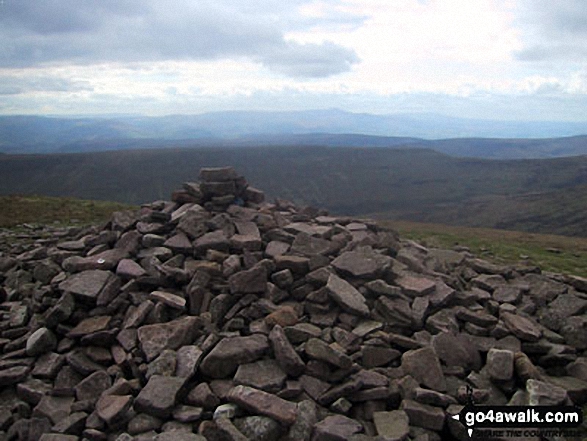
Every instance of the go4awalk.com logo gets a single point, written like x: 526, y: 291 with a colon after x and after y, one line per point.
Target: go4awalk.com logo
x: 505, y: 421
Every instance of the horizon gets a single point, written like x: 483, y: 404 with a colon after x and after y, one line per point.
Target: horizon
x: 499, y: 60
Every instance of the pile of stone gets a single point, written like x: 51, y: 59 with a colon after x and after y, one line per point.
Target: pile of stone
x: 218, y: 316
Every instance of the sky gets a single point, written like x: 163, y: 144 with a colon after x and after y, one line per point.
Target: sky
x: 492, y: 59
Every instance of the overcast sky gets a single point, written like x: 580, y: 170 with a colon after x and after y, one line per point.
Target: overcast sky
x: 498, y: 59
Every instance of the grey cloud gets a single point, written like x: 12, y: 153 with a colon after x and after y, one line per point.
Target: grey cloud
x: 12, y: 85
x: 87, y: 32
x: 310, y: 60
x: 553, y: 30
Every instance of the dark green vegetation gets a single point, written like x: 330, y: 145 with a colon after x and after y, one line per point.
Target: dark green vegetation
x: 42, y: 210
x: 545, y: 196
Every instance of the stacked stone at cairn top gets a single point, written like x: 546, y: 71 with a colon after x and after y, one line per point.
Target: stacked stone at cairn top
x: 220, y: 187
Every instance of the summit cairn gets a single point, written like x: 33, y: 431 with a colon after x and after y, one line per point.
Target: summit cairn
x: 220, y: 316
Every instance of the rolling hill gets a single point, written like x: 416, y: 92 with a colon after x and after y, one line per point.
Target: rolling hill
x: 544, y: 195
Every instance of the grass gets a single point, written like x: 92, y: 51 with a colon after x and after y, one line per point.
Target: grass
x: 561, y: 254
x: 43, y: 210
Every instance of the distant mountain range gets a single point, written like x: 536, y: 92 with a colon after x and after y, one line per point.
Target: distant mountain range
x: 330, y: 128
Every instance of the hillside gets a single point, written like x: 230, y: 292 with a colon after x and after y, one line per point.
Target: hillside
x: 419, y: 185
x: 330, y: 128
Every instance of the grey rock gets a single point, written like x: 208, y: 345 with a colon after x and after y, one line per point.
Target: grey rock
x: 363, y: 263
x: 224, y: 359
x: 92, y: 386
x: 155, y: 338
x: 392, y: 426
x: 112, y: 409
x: 521, y: 327
x: 423, y: 364
x: 541, y: 393
x: 40, y: 342
x: 319, y: 350
x: 263, y: 374
x: 347, y: 296
x: 336, y: 428
x: 423, y: 415
x: 285, y: 354
x: 159, y: 395
x: 500, y: 364
x: 264, y: 403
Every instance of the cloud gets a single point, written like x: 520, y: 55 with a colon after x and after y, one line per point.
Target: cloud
x: 90, y: 32
x: 553, y: 30
x: 15, y: 85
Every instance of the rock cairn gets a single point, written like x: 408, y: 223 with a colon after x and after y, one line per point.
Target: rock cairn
x: 218, y: 316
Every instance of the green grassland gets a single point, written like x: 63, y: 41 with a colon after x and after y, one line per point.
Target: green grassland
x: 43, y: 210
x: 560, y: 254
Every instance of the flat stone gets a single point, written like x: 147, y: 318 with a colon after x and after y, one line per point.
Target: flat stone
x: 13, y: 375
x: 319, y: 350
x: 363, y: 263
x: 424, y: 366
x: 336, y: 428
x: 218, y: 174
x: 89, y: 326
x: 456, y: 350
x: 500, y: 364
x: 276, y: 248
x: 159, y: 395
x: 32, y: 391
x: 347, y: 296
x: 296, y: 264
x: 154, y: 339
x: 264, y: 403
x: 188, y: 360
x: 202, y: 395
x: 48, y: 365
x: 392, y: 426
x: 395, y: 312
x: 284, y: 316
x: 215, y: 240
x: 135, y: 316
x: 266, y: 375
x: 249, y: 281
x: 376, y: 356
x: 129, y: 269
x: 423, y: 415
x: 87, y: 284
x: 314, y: 387
x: 507, y: 294
x: 229, y: 353
x: 179, y: 243
x: 310, y: 246
x: 521, y: 327
x: 172, y: 300
x: 53, y: 408
x: 113, y: 408
x: 260, y: 428
x: 541, y: 393
x: 73, y: 424
x: 61, y: 311
x: 92, y: 386
x: 414, y: 286
x: 285, y: 354
x: 477, y: 317
x: 40, y: 342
